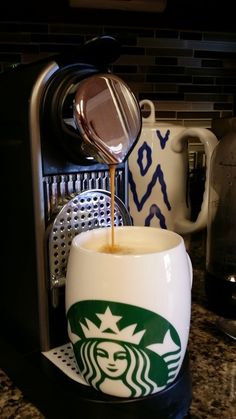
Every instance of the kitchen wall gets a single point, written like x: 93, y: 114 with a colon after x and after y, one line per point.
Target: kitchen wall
x: 189, y: 74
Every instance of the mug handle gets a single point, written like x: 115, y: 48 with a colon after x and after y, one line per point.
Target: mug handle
x: 209, y: 140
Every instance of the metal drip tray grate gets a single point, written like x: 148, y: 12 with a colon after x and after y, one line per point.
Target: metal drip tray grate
x: 63, y: 358
x: 88, y: 210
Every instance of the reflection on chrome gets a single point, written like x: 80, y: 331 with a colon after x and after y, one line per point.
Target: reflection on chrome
x: 107, y: 116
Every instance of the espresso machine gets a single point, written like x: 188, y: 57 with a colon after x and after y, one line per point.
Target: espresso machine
x: 63, y: 121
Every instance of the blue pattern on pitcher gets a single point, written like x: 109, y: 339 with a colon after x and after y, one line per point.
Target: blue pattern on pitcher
x: 158, y: 174
x: 144, y: 162
x: 144, y: 168
x: 163, y: 140
x: 155, y: 211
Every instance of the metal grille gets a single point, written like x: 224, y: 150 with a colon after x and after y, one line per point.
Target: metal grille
x: 58, y: 188
x: 86, y: 211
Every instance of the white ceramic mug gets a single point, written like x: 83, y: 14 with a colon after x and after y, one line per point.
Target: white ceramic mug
x: 129, y: 314
x: 158, y: 175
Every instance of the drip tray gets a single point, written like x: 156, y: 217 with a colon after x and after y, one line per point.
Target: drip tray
x: 63, y: 357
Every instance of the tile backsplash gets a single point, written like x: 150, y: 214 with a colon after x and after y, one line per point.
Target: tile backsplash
x: 189, y: 75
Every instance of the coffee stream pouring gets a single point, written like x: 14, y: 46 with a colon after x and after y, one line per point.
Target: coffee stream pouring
x: 108, y: 118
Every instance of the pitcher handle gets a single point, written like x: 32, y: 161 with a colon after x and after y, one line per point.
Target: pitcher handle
x: 151, y: 117
x: 209, y: 140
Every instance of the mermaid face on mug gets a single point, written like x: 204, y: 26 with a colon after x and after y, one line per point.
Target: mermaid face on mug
x: 109, y: 356
x: 107, y: 361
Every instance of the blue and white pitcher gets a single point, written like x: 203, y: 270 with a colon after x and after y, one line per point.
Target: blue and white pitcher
x: 158, y: 171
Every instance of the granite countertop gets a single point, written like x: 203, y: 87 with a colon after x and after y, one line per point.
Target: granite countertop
x: 212, y: 360
x: 212, y: 353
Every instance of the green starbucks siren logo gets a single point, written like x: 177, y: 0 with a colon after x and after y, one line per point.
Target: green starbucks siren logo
x: 109, y: 345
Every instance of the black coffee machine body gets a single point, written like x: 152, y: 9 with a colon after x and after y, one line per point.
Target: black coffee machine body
x: 43, y: 167
x: 54, y: 188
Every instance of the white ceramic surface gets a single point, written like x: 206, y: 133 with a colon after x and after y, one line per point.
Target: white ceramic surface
x: 158, y: 171
x: 129, y: 314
